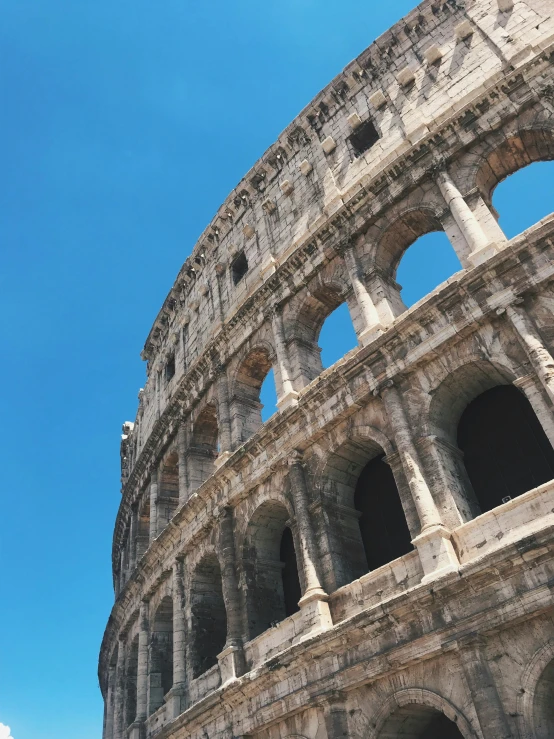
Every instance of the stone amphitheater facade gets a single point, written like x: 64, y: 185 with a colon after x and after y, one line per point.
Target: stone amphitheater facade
x: 377, y: 559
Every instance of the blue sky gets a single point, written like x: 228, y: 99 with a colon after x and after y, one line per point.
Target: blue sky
x: 124, y: 125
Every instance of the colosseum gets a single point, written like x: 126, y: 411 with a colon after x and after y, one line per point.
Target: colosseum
x: 376, y: 560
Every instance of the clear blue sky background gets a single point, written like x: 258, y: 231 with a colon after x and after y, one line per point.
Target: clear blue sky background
x: 123, y: 127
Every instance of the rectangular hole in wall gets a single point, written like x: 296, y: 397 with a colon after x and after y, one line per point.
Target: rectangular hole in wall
x: 363, y: 138
x: 239, y: 267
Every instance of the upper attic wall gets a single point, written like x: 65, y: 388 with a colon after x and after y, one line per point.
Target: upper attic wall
x: 408, y: 83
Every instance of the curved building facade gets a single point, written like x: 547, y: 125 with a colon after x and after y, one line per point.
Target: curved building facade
x: 377, y: 559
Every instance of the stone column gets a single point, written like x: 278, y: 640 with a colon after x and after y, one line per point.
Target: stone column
x: 122, y: 573
x: 223, y: 418
x: 287, y: 394
x: 537, y: 353
x: 231, y: 659
x: 314, y: 599
x: 133, y: 538
x: 182, y: 450
x: 372, y: 326
x: 119, y: 711
x: 484, y: 694
x: 142, y: 666
x: 336, y: 716
x: 434, y: 541
x: 108, y: 728
x: 153, y: 504
x: 479, y: 244
x: 542, y: 410
x: 177, y: 695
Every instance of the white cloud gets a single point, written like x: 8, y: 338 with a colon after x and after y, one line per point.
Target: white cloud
x: 5, y: 732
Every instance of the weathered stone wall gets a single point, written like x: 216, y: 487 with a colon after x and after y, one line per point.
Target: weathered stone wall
x: 203, y: 639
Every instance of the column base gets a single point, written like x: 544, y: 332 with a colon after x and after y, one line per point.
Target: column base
x: 137, y: 730
x: 176, y: 700
x: 231, y: 663
x: 436, y: 553
x: 220, y: 460
x: 481, y: 255
x: 370, y: 334
x: 287, y: 400
x: 316, y: 616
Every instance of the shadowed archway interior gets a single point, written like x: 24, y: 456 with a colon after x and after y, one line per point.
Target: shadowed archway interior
x: 506, y: 452
x: 419, y: 722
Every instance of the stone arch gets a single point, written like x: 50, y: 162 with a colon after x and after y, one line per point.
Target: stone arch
x: 304, y: 322
x: 412, y: 709
x: 251, y: 370
x: 401, y: 233
x: 344, y: 547
x: 531, y: 699
x: 160, y: 658
x: 208, y: 615
x: 270, y: 567
x: 490, y: 439
x: 203, y: 448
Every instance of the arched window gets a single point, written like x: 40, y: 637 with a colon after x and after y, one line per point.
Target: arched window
x: 543, y: 704
x: 161, y: 655
x: 131, y: 683
x: 337, y: 336
x: 268, y: 396
x: 168, y: 493
x: 203, y: 448
x: 385, y: 533
x: 246, y: 408
x: 269, y: 560
x: 427, y: 263
x: 419, y: 722
x: 506, y: 452
x: 525, y: 198
x: 209, y: 618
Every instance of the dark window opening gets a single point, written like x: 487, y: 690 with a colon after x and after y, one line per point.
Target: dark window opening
x: 363, y: 138
x: 506, y: 452
x: 170, y: 368
x: 291, y: 583
x: 441, y: 728
x: 239, y: 267
x: 385, y: 533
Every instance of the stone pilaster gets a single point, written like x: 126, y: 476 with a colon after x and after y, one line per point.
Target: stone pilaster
x: 153, y: 504
x: 372, y: 326
x: 336, y: 716
x: 119, y: 708
x: 223, y: 418
x: 533, y: 346
x: 133, y: 533
x: 231, y: 659
x: 543, y: 411
x: 314, y: 599
x: 287, y: 394
x: 479, y: 244
x: 142, y: 666
x: 177, y: 695
x: 434, y: 542
x: 484, y: 693
x: 110, y: 696
x: 183, y: 472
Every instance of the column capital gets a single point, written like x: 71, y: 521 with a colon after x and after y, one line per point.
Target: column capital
x: 296, y: 457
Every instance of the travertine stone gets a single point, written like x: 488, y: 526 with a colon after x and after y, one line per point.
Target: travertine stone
x: 250, y: 599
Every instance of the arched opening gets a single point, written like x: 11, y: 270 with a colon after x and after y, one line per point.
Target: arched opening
x: 208, y: 615
x: 543, y: 704
x: 385, y: 533
x: 337, y: 336
x: 246, y: 408
x: 419, y: 722
x: 321, y: 330
x: 425, y: 265
x: 160, y: 673
x: 168, y: 492
x: 269, y: 560
x: 506, y: 452
x: 203, y: 447
x: 131, y: 683
x: 268, y: 396
x: 360, y: 496
x: 525, y: 197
